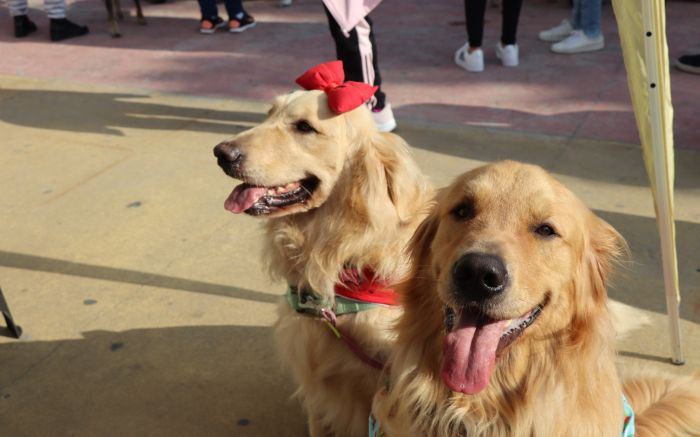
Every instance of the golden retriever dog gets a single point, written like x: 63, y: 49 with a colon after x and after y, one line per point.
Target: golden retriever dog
x: 335, y: 193
x: 505, y: 330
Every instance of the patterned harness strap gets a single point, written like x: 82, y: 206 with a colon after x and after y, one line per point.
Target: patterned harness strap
x: 355, y: 293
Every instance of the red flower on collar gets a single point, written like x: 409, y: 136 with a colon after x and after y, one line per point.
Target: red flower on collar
x: 330, y: 78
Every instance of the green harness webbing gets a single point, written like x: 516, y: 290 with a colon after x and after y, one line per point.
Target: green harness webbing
x: 307, y: 302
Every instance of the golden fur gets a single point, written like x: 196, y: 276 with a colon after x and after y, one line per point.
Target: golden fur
x: 370, y: 199
x: 558, y: 378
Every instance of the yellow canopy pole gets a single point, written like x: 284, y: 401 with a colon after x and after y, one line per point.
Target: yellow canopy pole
x: 641, y: 25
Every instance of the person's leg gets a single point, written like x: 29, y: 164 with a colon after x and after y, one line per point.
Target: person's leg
x: 208, y: 9
x: 358, y: 51
x: 509, y: 25
x: 18, y: 7
x: 60, y: 27
x: 210, y: 20
x: 55, y: 9
x: 23, y: 25
x: 368, y: 48
x: 590, y: 17
x: 576, y: 15
x: 586, y: 36
x: 238, y: 19
x: 234, y: 8
x: 474, y: 12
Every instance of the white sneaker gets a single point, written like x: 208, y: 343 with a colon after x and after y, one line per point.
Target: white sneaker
x: 473, y: 61
x: 578, y: 42
x: 557, y: 33
x: 507, y: 54
x: 384, y: 119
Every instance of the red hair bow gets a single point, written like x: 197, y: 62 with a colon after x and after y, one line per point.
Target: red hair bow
x: 342, y: 96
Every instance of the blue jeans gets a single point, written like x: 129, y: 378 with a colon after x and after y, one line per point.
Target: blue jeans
x: 209, y: 9
x: 585, y: 16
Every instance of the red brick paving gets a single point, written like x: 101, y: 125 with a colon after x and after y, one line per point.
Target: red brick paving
x: 582, y: 96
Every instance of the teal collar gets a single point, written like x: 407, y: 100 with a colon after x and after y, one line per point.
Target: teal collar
x: 307, y: 302
x: 628, y: 425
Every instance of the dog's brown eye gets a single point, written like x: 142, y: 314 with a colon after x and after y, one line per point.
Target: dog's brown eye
x: 303, y: 126
x: 546, y: 231
x: 463, y: 211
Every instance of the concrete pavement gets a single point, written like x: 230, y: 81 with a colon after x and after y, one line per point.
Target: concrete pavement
x: 144, y: 303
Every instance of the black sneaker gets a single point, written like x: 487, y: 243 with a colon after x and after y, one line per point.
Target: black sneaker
x: 241, y: 22
x: 689, y: 63
x: 23, y: 26
x: 61, y: 28
x: 208, y: 26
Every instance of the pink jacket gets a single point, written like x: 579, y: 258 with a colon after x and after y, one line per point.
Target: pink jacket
x: 349, y: 12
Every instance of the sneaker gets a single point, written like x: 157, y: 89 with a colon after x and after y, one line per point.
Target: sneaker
x: 241, y: 22
x: 384, y: 118
x: 473, y: 61
x: 689, y: 63
x: 208, y: 26
x: 578, y: 42
x: 507, y: 54
x: 61, y: 28
x: 558, y: 33
x: 285, y: 3
x: 23, y: 26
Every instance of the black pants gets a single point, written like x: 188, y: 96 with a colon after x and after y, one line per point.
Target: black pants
x: 359, y: 61
x: 474, y: 11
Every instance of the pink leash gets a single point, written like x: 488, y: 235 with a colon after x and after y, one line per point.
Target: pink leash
x: 330, y: 319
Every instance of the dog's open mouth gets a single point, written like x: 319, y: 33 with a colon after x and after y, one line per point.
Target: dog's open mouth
x: 260, y: 200
x: 474, y: 341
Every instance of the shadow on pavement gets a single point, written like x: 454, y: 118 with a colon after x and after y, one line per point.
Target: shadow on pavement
x: 639, y: 281
x: 52, y: 265
x: 105, y: 113
x: 184, y: 381
x: 604, y: 161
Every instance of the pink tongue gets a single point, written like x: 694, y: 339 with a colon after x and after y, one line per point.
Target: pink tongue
x: 469, y: 353
x: 243, y: 197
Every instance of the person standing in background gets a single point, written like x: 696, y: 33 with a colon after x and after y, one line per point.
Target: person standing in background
x: 238, y: 19
x: 470, y: 56
x: 353, y: 33
x: 581, y: 34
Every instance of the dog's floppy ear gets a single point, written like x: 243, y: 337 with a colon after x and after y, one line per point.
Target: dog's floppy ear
x: 419, y: 245
x: 416, y: 290
x: 607, y: 246
x: 603, y: 247
x: 401, y: 174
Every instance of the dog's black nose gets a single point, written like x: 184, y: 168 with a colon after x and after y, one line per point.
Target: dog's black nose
x: 229, y: 158
x: 479, y: 276
x: 227, y: 152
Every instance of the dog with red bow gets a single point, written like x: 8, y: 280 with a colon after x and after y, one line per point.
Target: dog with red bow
x: 341, y: 200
